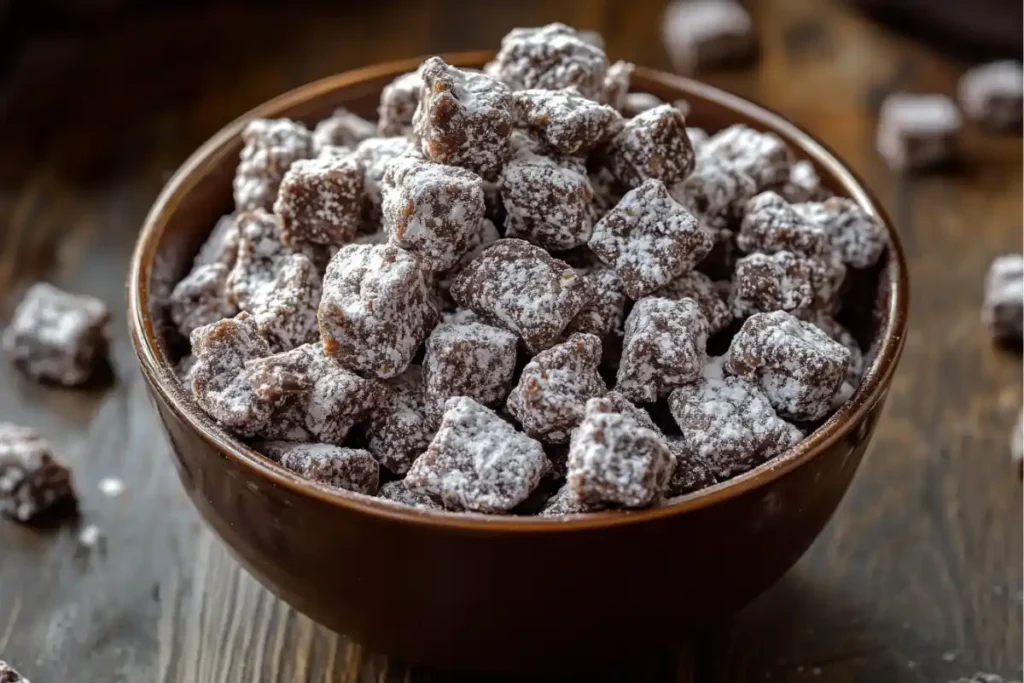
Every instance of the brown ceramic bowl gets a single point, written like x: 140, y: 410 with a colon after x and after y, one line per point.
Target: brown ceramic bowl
x: 498, y: 592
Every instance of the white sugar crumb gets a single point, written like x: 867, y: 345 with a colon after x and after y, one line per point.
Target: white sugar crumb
x: 90, y: 536
x: 111, y: 487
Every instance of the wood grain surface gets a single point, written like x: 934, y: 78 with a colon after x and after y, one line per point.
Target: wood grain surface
x: 917, y: 578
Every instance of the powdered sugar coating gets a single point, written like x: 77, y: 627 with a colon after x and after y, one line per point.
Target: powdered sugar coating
x: 271, y: 146
x: 551, y: 57
x: 32, y: 479
x: 616, y: 84
x: 524, y: 289
x: 857, y: 236
x: 565, y: 120
x: 1003, y: 308
x: 699, y: 34
x: 699, y: 287
x: 374, y: 154
x: 464, y: 118
x: 342, y: 129
x: 376, y: 308
x: 729, y: 424
x: 200, y: 298
x: 477, y: 461
x: 56, y: 336
x: 222, y: 244
x: 547, y: 201
x: 652, y: 145
x: 285, y: 308
x: 762, y: 156
x: 664, y: 347
x: 650, y: 239
x: 398, y: 101
x: 554, y: 387
x: 321, y: 200
x: 399, y: 430
x: 350, y: 469
x: 614, y: 460
x: 398, y: 492
x: 993, y: 94
x: 775, y: 282
x: 797, y: 365
x: 219, y: 380
x: 432, y: 210
x: 772, y: 224
x: 470, y: 359
x: 604, y: 316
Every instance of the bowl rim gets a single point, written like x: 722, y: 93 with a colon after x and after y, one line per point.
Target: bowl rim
x: 164, y: 381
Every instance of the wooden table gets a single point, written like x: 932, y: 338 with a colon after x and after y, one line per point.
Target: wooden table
x: 917, y: 578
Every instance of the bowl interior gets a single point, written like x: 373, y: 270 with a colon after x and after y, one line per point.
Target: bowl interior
x: 200, y: 192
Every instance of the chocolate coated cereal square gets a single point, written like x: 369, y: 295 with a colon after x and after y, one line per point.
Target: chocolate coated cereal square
x: 271, y: 146
x: 321, y: 200
x: 399, y: 430
x: 551, y: 57
x: 652, y: 145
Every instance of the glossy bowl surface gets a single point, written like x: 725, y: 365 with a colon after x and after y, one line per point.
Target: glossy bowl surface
x: 497, y: 593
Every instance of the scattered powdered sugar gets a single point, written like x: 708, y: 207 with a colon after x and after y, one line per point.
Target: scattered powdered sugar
x: 111, y: 487
x: 90, y: 536
x: 477, y: 461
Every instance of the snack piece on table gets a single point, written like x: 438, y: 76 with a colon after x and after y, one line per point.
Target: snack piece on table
x: 55, y: 336
x: 271, y: 146
x: 464, y: 118
x: 664, y: 347
x: 524, y: 289
x: 376, y: 308
x: 652, y: 145
x: 321, y: 200
x: 432, y: 210
x: 477, y: 461
x: 1003, y: 308
x: 797, y: 366
x: 993, y: 94
x: 554, y: 388
x: 32, y: 479
x: 551, y: 57
x: 917, y: 132
x: 705, y: 34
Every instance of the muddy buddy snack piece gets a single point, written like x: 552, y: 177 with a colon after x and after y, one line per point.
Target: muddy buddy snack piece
x: 729, y: 424
x: 664, y: 347
x: 399, y: 430
x: 222, y: 244
x: 551, y: 57
x: 1003, y: 309
x: 715, y: 192
x: 375, y: 154
x: 855, y: 370
x: 803, y: 184
x: 9, y: 675
x: 857, y: 236
x: 464, y: 118
x: 271, y: 146
x: 398, y: 103
x: 565, y: 120
x: 993, y: 94
x: 705, y: 34
x: 321, y: 200
x: 777, y: 282
x: 916, y: 132
x: 477, y: 461
x: 431, y: 210
x: 342, y: 129
x: 638, y: 102
x: 219, y: 381
x: 547, y: 201
x: 524, y: 289
x: 604, y: 316
x: 762, y: 156
x: 614, y: 460
x: 616, y: 84
x: 698, y: 136
x: 565, y: 502
x: 649, y: 239
x: 398, y: 492
x: 771, y: 224
x: 285, y: 308
x: 554, y: 388
x: 350, y: 469
x: 700, y: 288
x: 376, y: 308
x: 471, y: 359
x: 32, y: 479
x: 608, y: 192
x: 797, y: 365
x: 201, y: 298
x: 55, y: 336
x: 653, y: 144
